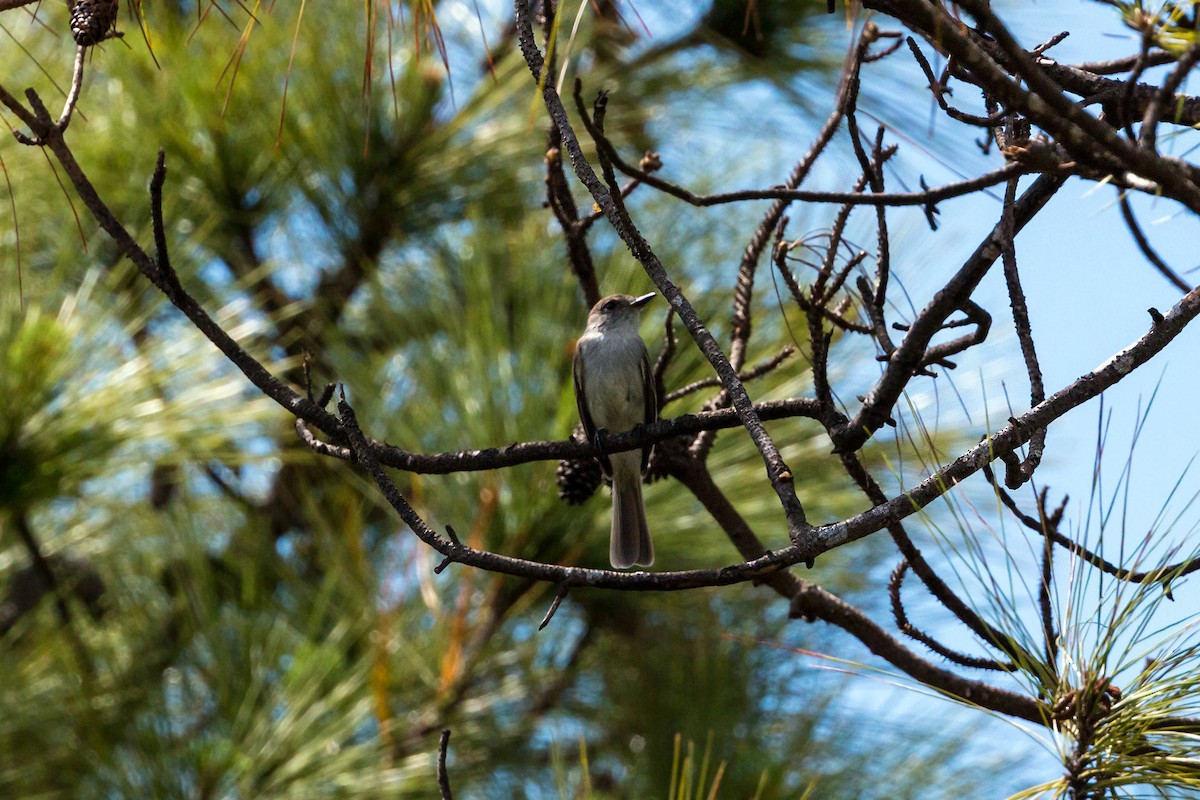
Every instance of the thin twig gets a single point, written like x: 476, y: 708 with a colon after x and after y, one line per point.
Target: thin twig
x: 664, y: 360
x: 1143, y: 243
x: 53, y: 129
x: 926, y: 197
x: 1139, y: 66
x: 443, y: 777
x: 748, y: 265
x: 562, y: 203
x: 1020, y: 471
x: 558, y: 598
x: 64, y: 119
x: 908, y: 629
x: 913, y: 352
x: 757, y: 371
x: 1118, y: 65
x: 804, y: 303
x: 1051, y: 42
x: 1048, y: 527
x: 939, y: 94
x: 319, y: 447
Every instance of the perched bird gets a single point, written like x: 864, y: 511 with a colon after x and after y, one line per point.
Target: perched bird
x: 614, y: 390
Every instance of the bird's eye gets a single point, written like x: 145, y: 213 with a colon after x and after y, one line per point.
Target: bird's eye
x: 608, y: 305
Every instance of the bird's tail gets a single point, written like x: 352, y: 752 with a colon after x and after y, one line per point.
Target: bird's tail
x: 630, y: 542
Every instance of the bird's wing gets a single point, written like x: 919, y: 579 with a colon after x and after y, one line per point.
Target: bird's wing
x: 650, y: 399
x: 589, y: 426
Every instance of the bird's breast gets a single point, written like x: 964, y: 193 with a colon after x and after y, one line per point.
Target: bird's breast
x: 613, y: 381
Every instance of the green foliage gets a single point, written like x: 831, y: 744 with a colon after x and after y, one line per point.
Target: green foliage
x: 80, y: 401
x: 1118, y: 672
x: 1168, y: 23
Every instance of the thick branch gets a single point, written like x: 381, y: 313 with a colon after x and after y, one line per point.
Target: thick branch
x: 1143, y: 243
x: 525, y: 452
x: 456, y: 552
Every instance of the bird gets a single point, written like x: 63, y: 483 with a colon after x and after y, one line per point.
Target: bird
x: 614, y: 391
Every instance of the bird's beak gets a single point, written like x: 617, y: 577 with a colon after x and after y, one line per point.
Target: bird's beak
x: 638, y: 302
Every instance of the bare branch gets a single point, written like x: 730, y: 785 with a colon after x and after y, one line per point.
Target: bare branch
x: 757, y: 371
x: 1048, y: 527
x: 747, y: 267
x: 1020, y: 471
x: 907, y: 628
x: 813, y: 602
x: 526, y: 452
x: 912, y: 353
x: 1139, y: 237
x: 1154, y: 59
x: 562, y: 203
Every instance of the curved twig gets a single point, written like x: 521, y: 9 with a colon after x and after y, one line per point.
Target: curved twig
x: 908, y: 629
x: 1143, y: 243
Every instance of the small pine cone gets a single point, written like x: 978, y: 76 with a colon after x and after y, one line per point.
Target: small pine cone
x: 91, y: 20
x: 665, y: 453
x: 578, y: 479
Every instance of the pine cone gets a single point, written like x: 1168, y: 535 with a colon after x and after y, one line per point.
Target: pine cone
x: 91, y: 20
x: 665, y: 454
x: 578, y: 479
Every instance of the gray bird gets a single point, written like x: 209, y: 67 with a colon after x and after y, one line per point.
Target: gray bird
x: 614, y: 390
